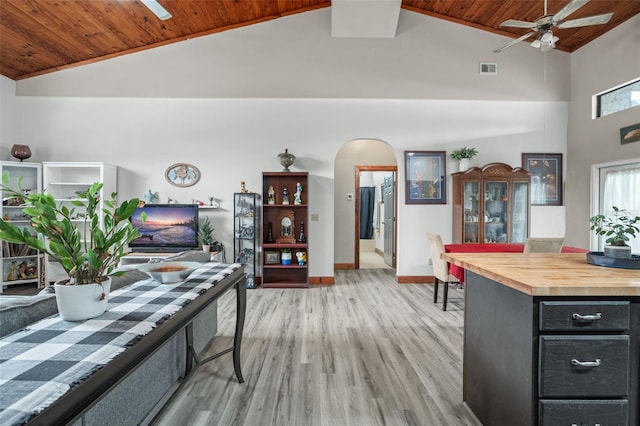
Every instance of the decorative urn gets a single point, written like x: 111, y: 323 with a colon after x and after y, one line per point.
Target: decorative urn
x: 286, y: 159
x: 21, y: 152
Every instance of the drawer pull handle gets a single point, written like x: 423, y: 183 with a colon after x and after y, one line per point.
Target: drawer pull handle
x: 587, y: 318
x: 587, y: 364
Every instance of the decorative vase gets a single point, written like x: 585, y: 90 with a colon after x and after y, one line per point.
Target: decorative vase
x: 463, y: 164
x: 285, y: 258
x: 82, y: 302
x: 286, y: 159
x: 618, y: 252
x: 302, y: 238
x: 21, y: 152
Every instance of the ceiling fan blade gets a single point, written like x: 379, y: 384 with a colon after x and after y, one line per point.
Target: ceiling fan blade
x: 571, y: 7
x: 518, y: 24
x: 157, y: 9
x: 583, y: 22
x: 516, y: 41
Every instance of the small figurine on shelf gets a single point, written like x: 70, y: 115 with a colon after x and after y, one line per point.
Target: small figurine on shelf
x: 22, y: 270
x: 31, y: 269
x: 298, y: 194
x: 302, y: 257
x: 150, y: 197
x: 271, y: 195
x: 13, y: 271
x: 170, y: 200
x: 213, y: 202
x: 243, y: 188
x: 285, y: 196
x: 302, y: 238
x: 269, y: 232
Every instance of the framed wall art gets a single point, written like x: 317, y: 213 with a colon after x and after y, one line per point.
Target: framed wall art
x: 425, y: 177
x: 546, y: 178
x: 182, y: 174
x: 630, y: 134
x: 271, y: 257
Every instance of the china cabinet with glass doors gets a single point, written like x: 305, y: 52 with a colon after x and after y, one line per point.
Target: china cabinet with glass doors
x: 491, y: 204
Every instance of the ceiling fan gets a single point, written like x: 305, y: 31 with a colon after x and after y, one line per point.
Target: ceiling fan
x: 157, y: 9
x: 545, y: 40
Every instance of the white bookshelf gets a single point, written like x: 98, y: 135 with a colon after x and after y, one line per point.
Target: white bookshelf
x: 19, y: 264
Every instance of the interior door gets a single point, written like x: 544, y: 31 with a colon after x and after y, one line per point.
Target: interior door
x: 389, y: 197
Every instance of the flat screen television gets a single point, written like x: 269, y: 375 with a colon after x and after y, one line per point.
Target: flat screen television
x: 168, y: 228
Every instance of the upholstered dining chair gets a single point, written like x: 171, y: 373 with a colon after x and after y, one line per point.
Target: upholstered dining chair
x: 543, y: 245
x: 440, y: 269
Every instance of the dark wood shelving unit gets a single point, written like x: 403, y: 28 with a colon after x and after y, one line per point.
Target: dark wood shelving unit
x: 276, y: 214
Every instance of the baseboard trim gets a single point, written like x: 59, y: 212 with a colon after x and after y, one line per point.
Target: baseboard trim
x: 322, y: 280
x: 343, y: 266
x: 415, y: 279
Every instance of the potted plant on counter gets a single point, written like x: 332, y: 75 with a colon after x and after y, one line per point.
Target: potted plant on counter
x: 205, y: 234
x: 617, y: 230
x: 463, y: 155
x: 71, y: 233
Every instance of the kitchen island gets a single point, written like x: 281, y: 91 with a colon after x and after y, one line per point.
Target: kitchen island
x: 550, y: 339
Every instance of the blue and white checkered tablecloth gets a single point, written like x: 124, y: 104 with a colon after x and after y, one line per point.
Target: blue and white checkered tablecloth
x: 41, y: 363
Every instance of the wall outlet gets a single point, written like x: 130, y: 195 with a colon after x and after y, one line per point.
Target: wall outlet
x: 314, y: 217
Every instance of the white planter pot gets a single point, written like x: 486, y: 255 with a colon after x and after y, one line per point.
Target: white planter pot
x: 618, y: 252
x: 463, y: 164
x: 285, y: 258
x: 206, y: 248
x: 82, y: 302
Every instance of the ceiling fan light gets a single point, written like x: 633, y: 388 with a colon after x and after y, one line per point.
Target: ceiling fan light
x: 536, y: 43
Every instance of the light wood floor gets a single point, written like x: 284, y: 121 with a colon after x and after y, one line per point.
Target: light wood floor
x: 365, y: 351
x: 372, y: 260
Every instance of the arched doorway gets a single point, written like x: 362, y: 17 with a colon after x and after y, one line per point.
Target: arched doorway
x: 365, y: 154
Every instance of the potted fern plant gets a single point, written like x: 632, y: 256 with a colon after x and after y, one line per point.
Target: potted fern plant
x: 72, y: 234
x: 463, y: 155
x: 205, y: 234
x: 617, y: 230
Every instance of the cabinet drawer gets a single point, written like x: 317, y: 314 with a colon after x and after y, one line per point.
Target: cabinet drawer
x: 584, y: 412
x: 584, y: 316
x: 584, y: 366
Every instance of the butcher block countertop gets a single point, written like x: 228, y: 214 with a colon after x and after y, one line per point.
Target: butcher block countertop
x: 550, y: 274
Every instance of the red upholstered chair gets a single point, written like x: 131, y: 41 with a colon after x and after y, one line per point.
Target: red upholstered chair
x: 440, y: 269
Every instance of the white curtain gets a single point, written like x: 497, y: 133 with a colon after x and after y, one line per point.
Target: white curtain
x: 622, y: 189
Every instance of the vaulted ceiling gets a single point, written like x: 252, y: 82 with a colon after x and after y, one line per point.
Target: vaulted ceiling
x: 41, y: 36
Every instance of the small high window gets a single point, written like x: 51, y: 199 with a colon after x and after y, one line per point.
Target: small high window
x: 618, y: 99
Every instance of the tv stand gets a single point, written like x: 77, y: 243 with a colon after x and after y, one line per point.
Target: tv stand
x: 136, y: 258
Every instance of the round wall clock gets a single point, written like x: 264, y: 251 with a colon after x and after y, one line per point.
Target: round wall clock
x: 182, y: 174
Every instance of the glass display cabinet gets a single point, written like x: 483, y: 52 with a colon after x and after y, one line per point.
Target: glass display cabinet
x: 246, y: 226
x: 491, y: 205
x: 20, y: 264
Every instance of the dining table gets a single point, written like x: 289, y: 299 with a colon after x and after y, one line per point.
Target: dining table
x: 458, y: 271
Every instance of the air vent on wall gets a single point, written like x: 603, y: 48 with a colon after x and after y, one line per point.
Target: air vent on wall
x: 488, y: 68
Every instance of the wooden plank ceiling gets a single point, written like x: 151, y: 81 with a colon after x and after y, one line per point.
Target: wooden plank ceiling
x: 41, y: 36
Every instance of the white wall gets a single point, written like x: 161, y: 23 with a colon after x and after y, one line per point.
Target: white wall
x: 9, y: 117
x: 604, y: 63
x: 146, y: 111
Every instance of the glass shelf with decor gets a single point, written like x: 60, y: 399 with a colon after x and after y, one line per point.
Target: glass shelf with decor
x: 246, y: 216
x: 490, y: 204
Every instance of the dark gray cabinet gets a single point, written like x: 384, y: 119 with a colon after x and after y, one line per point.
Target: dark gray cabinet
x: 550, y: 360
